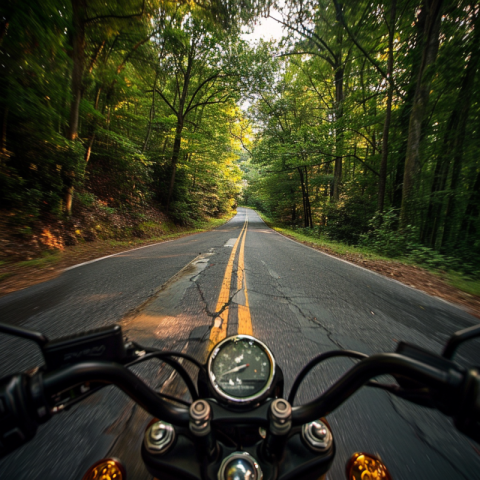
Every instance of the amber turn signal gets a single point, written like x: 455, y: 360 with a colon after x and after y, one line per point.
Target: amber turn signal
x: 106, y: 469
x: 363, y: 466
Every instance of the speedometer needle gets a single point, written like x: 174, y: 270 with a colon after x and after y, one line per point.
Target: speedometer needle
x: 236, y: 369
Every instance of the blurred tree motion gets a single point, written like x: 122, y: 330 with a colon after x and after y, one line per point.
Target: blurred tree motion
x: 125, y: 100
x: 368, y: 128
x: 360, y: 124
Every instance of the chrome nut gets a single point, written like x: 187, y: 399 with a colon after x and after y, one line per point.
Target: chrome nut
x: 159, y: 437
x: 317, y: 436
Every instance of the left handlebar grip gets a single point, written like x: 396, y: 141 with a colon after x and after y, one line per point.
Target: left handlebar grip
x: 18, y: 423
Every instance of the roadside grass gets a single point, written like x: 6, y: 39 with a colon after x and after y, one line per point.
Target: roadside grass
x: 334, y: 246
x: 47, y: 259
x: 337, y: 247
x: 466, y: 284
x: 215, y: 222
x: 198, y: 227
x: 453, y: 278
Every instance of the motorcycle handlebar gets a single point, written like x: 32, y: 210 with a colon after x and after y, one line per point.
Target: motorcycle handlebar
x: 113, y: 373
x: 450, y: 382
x: 458, y: 393
x: 373, y: 366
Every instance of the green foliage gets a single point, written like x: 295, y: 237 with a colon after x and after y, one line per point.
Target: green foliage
x: 320, y: 116
x: 385, y: 239
x: 87, y: 199
x: 348, y: 220
x: 122, y: 158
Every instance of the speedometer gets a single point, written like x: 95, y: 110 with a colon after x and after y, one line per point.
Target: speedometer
x: 241, y: 369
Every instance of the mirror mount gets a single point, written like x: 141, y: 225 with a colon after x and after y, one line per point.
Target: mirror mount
x: 39, y: 338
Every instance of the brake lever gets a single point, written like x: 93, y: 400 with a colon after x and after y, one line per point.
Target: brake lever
x: 421, y: 396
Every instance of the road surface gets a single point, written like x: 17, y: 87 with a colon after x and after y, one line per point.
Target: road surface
x: 242, y: 277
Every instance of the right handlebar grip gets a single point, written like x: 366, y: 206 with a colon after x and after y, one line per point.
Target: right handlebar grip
x: 17, y: 421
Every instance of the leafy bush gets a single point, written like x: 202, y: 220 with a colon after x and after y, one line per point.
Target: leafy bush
x: 183, y: 212
x: 385, y: 239
x: 87, y: 199
x: 348, y: 220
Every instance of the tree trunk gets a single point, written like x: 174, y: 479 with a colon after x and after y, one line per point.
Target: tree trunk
x: 337, y: 174
x: 305, y: 216
x: 152, y: 115
x: 457, y: 137
x: 3, y: 139
x: 420, y: 102
x: 388, y: 114
x: 406, y: 108
x: 78, y: 57
x: 88, y: 152
x: 429, y: 233
x: 175, y: 156
x: 309, y: 208
x: 468, y: 229
x: 92, y: 128
x: 180, y: 119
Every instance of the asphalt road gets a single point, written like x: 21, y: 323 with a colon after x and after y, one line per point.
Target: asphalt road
x: 298, y: 301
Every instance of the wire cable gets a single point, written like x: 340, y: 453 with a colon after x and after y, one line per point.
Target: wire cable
x: 166, y: 357
x: 174, y: 399
x: 170, y: 353
x: 315, y: 361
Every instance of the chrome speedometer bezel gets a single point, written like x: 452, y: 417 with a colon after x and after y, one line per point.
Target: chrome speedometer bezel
x: 240, y: 400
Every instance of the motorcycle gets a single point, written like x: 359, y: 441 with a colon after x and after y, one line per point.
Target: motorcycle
x: 238, y: 426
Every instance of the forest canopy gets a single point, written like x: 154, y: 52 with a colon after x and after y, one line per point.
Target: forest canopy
x: 368, y: 129
x: 127, y: 101
x: 361, y: 123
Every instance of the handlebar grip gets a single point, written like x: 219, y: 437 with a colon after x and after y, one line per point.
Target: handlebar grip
x: 25, y: 401
x: 18, y: 424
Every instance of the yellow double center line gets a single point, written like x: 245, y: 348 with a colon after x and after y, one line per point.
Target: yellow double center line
x: 244, y: 318
x: 219, y: 329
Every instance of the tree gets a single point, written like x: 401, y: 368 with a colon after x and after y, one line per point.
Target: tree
x: 431, y: 15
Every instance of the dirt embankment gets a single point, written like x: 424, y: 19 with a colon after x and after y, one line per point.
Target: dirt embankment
x: 32, y: 252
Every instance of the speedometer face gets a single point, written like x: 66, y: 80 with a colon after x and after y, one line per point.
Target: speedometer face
x: 241, y: 368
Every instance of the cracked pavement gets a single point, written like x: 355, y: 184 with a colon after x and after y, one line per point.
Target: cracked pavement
x: 301, y: 303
